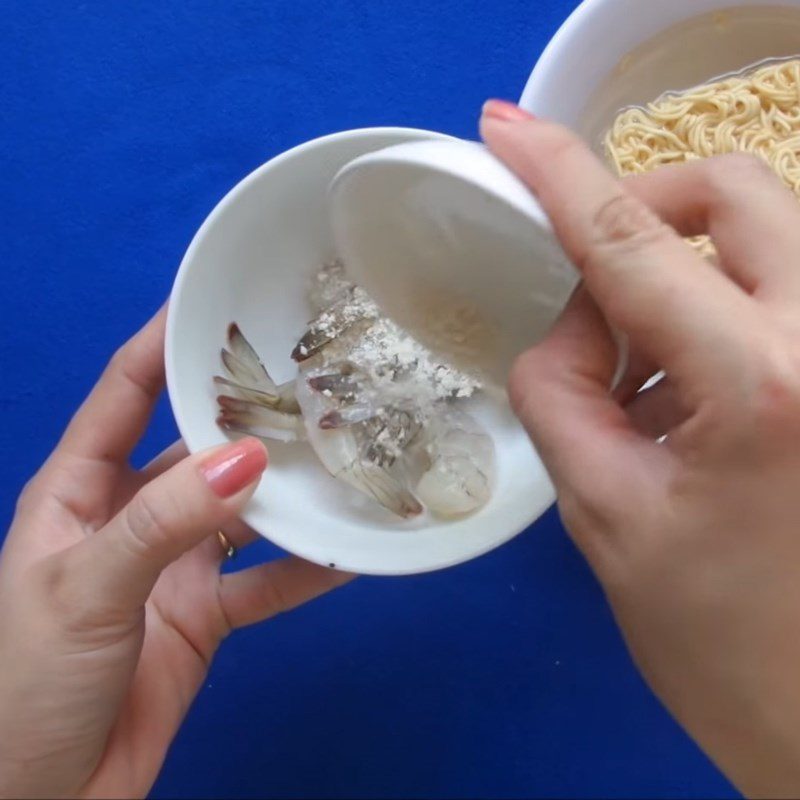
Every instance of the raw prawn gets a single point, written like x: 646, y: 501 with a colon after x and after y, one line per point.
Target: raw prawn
x: 461, y: 465
x: 387, y: 427
x: 350, y: 453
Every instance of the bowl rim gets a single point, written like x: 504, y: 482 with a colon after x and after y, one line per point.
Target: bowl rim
x: 519, y: 200
x: 580, y: 19
x: 218, y: 210
x: 362, y: 564
x: 550, y: 54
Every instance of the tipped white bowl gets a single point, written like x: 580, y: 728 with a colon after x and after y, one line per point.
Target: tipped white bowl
x: 455, y: 248
x: 250, y: 263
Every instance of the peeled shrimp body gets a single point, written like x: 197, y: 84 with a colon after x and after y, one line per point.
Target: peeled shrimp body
x: 344, y: 451
x: 382, y: 424
x: 461, y: 469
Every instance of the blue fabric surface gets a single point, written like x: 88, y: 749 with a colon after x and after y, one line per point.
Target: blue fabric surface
x: 122, y: 125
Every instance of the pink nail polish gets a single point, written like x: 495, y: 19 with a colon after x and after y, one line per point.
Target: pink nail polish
x: 505, y: 111
x: 235, y: 467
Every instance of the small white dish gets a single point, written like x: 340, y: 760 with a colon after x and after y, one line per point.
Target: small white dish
x: 250, y: 262
x: 455, y: 248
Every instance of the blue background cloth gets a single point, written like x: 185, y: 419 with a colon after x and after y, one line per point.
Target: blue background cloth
x: 122, y: 125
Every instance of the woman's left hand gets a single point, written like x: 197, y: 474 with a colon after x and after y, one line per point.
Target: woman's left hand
x: 111, y: 600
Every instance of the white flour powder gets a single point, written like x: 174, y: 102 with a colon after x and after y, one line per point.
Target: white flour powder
x: 394, y: 360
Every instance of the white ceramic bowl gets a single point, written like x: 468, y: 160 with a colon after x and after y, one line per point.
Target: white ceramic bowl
x: 601, y: 33
x: 250, y: 263
x: 448, y: 220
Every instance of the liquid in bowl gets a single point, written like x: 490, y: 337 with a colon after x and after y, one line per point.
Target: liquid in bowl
x: 690, y: 53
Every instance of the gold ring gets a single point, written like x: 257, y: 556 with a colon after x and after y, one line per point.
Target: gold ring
x: 227, y: 546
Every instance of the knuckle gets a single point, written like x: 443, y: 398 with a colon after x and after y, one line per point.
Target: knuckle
x: 561, y: 143
x: 55, y: 584
x: 626, y: 220
x: 583, y: 510
x: 65, y: 603
x: 588, y: 524
x: 524, y: 372
x: 126, y: 365
x: 623, y: 230
x: 626, y: 304
x: 731, y: 175
x: 775, y: 404
x: 572, y: 511
x: 533, y: 380
x: 120, y: 358
x: 27, y: 497
x: 149, y: 520
x: 734, y: 169
x: 274, y: 599
x: 67, y: 608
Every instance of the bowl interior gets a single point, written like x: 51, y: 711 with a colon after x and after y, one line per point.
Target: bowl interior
x: 250, y: 263
x: 614, y: 53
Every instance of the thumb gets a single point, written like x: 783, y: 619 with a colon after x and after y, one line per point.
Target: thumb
x: 560, y: 390
x: 166, y: 518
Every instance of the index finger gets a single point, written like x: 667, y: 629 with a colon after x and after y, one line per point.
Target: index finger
x: 675, y: 307
x: 261, y: 592
x: 113, y: 418
x: 741, y: 203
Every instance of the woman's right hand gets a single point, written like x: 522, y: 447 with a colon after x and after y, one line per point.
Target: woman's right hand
x: 696, y: 540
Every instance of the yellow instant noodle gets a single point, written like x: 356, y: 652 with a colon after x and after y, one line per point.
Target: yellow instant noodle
x: 754, y: 112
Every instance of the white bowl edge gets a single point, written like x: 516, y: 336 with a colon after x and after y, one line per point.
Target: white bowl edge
x: 502, y: 525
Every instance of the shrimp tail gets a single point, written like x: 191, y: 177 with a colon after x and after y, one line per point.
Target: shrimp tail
x: 377, y: 483
x: 242, y: 361
x: 245, y: 416
x: 250, y: 378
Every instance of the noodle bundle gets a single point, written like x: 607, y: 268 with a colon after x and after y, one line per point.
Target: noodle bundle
x: 757, y: 112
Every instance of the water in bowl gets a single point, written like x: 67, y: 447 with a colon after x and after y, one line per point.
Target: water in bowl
x: 688, y: 54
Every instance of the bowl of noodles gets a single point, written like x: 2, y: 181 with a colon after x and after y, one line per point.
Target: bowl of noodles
x: 649, y: 83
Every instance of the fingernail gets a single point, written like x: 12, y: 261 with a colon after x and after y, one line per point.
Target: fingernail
x: 235, y: 467
x: 505, y: 111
